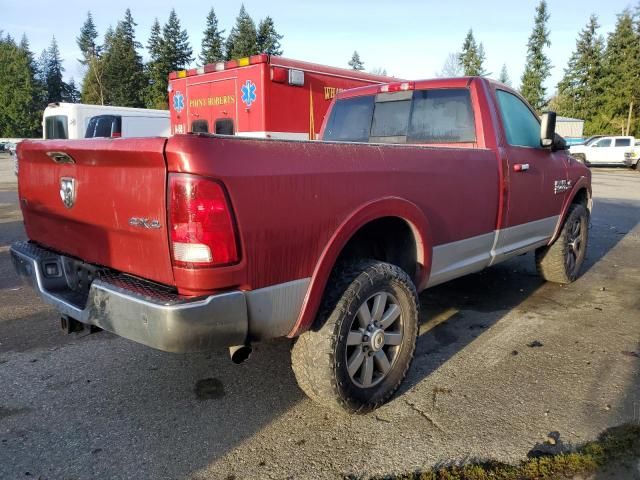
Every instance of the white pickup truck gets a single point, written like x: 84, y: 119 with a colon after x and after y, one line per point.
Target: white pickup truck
x: 607, y: 151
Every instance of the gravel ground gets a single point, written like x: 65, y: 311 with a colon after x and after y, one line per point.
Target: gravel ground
x: 503, y: 359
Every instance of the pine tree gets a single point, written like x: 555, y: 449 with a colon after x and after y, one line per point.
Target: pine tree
x: 123, y: 71
x: 579, y: 91
x: 71, y: 93
x: 155, y: 95
x: 243, y: 38
x: 169, y: 52
x: 39, y: 81
x: 471, y: 58
x: 87, y: 40
x: 93, y: 88
x: 54, y: 83
x: 268, y: 40
x: 212, y: 41
x: 504, y: 76
x: 20, y: 112
x: 538, y: 66
x: 621, y: 78
x: 175, y: 50
x: 355, y: 63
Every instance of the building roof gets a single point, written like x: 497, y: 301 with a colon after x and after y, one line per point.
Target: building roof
x: 568, y: 119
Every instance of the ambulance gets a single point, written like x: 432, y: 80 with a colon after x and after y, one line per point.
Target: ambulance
x: 261, y: 96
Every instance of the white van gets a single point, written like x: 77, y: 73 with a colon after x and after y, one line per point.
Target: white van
x: 74, y: 120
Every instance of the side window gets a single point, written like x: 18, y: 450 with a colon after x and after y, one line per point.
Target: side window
x: 224, y: 126
x: 350, y: 120
x: 623, y: 142
x: 520, y: 124
x: 442, y: 116
x: 104, y: 126
x: 200, y: 126
x: 55, y: 127
x: 602, y: 143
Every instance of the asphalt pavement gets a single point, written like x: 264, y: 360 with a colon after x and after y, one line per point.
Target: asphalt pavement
x: 503, y: 360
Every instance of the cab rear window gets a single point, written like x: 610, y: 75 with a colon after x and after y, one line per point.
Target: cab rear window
x: 350, y: 120
x: 429, y: 116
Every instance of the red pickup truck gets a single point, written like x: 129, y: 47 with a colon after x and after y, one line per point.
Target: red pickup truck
x: 202, y: 241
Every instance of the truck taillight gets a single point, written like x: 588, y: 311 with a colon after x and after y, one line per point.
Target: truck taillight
x: 201, y: 223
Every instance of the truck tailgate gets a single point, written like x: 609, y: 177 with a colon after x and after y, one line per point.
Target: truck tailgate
x: 115, y: 209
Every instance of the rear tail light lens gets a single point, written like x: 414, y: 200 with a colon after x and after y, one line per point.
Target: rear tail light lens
x: 200, y: 222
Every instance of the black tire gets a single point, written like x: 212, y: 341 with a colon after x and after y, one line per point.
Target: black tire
x: 561, y: 261
x: 321, y: 357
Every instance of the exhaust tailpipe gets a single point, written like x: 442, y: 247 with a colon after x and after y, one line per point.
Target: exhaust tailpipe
x: 240, y: 353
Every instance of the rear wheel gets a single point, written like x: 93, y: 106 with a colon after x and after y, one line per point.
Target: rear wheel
x: 361, y: 353
x: 561, y: 261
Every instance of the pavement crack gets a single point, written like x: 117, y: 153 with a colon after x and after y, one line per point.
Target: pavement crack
x: 424, y: 415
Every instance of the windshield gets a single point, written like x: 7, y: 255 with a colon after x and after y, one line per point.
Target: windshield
x: 55, y: 126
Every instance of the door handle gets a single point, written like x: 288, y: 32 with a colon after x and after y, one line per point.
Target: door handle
x: 521, y: 167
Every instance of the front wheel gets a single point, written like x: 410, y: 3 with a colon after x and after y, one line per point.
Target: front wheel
x: 561, y: 261
x: 360, y: 354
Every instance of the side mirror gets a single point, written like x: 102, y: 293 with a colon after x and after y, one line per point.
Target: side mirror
x: 548, y: 129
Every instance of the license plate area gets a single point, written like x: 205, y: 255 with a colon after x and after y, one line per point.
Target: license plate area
x: 69, y: 278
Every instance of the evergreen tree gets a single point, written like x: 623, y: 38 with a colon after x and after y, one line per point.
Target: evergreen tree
x: 41, y: 73
x: 379, y: 71
x: 355, y: 63
x: 580, y: 90
x: 504, y: 76
x: 538, y: 66
x: 175, y: 48
x: 621, y: 78
x: 39, y: 81
x: 87, y: 40
x: 93, y: 87
x: 243, y: 38
x: 20, y: 112
x: 268, y: 40
x: 54, y: 83
x: 471, y: 58
x: 212, y: 41
x: 155, y: 96
x: 123, y: 70
x: 71, y: 92
x: 169, y: 52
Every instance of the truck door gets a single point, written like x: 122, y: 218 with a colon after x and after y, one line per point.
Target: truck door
x: 600, y: 151
x: 210, y: 101
x: 535, y: 180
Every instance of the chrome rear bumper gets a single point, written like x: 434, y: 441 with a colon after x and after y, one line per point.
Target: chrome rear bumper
x: 136, y: 309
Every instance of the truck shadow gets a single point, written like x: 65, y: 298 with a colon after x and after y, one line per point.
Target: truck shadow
x: 454, y: 314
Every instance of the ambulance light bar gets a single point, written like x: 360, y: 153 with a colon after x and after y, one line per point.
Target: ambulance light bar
x: 285, y: 75
x: 220, y: 66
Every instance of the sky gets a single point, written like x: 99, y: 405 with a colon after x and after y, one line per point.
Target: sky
x: 410, y: 39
